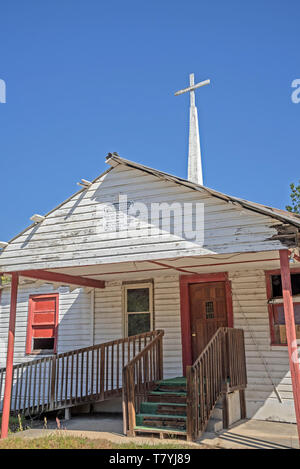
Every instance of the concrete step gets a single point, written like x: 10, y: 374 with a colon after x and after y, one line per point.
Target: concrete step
x: 214, y: 425
x: 217, y: 413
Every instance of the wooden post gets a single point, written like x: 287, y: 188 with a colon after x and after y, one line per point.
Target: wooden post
x: 243, y: 404
x: 190, y: 404
x: 131, y: 401
x: 124, y: 402
x: 161, y: 360
x: 225, y: 411
x: 53, y: 382
x: 10, y: 355
x: 290, y: 331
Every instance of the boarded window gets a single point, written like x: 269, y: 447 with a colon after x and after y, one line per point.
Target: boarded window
x: 279, y: 323
x: 42, y: 323
x: 138, y: 299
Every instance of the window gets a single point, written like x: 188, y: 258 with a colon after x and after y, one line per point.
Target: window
x: 138, y: 305
x: 276, y: 309
x: 42, y: 324
x: 277, y: 286
x: 279, y: 323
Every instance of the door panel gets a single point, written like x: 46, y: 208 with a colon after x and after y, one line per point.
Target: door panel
x: 208, y: 312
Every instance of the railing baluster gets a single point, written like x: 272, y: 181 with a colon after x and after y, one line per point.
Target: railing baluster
x: 112, y: 367
x: 87, y: 375
x: 16, y: 390
x: 67, y: 379
x: 118, y: 364
x: 48, y: 383
x: 97, y: 371
x: 102, y: 370
x: 77, y: 377
x: 71, y: 378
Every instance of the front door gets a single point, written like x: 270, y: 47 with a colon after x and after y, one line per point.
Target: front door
x: 208, y: 312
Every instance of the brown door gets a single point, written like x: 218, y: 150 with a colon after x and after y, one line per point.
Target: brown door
x: 208, y: 313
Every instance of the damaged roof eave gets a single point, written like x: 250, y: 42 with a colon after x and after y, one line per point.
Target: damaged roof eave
x: 114, y: 159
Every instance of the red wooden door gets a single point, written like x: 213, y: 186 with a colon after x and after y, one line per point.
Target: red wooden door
x: 208, y: 312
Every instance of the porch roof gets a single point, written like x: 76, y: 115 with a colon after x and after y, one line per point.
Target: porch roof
x: 94, y: 276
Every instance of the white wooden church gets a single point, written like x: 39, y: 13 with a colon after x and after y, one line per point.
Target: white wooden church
x: 113, y: 304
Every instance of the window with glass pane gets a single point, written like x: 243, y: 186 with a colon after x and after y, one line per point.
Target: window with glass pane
x: 138, y: 309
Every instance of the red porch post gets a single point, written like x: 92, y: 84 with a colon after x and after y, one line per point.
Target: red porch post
x: 290, y: 330
x: 10, y: 355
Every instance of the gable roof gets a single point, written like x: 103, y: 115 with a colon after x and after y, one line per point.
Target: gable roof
x: 113, y: 159
x: 283, y: 215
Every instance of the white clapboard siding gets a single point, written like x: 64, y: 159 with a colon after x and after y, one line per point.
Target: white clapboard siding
x: 73, y: 234
x: 109, y: 318
x: 74, y: 320
x: 83, y: 323
x: 265, y: 363
x: 167, y: 317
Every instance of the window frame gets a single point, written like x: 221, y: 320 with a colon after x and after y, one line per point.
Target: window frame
x: 134, y: 286
x: 275, y: 301
x: 29, y: 335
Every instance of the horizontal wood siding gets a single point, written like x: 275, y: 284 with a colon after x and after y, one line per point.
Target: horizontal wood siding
x: 167, y: 318
x: 74, y: 321
x: 72, y: 235
x: 265, y: 363
x: 109, y: 318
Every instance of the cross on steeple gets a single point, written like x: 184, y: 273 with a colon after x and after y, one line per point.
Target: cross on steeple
x: 194, y: 161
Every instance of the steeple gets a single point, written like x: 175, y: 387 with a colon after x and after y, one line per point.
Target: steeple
x: 194, y: 158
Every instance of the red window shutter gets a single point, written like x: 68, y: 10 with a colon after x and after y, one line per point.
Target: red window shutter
x: 42, y: 319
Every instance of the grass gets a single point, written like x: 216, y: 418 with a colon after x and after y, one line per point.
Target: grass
x: 16, y: 424
x: 72, y: 442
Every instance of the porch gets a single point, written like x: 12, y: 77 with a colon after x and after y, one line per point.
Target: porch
x: 87, y: 370
x: 133, y: 368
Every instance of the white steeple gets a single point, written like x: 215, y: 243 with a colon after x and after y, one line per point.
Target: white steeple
x: 194, y: 160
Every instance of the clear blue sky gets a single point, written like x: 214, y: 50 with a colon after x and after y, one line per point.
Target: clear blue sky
x: 88, y: 77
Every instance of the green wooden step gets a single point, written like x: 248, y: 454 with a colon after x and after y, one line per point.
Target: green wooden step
x: 179, y: 381
x: 152, y: 407
x: 172, y: 393
x: 161, y: 421
x: 162, y: 416
x: 174, y: 431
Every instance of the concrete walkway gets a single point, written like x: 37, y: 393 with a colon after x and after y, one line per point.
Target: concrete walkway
x: 249, y: 434
x: 96, y: 427
x: 254, y: 434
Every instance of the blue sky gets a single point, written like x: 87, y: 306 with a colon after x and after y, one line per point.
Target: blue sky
x: 88, y: 77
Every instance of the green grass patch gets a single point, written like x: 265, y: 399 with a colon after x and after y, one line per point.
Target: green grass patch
x: 16, y: 424
x: 72, y: 442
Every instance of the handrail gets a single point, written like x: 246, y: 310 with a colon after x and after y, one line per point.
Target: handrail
x: 139, y: 376
x: 71, y: 378
x: 219, y: 369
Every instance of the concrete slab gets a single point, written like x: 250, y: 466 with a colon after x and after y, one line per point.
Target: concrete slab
x: 95, y: 427
x: 254, y: 434
x: 249, y: 434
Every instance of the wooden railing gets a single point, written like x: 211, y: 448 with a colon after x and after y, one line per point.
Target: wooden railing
x: 219, y: 369
x: 139, y: 376
x: 76, y: 377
